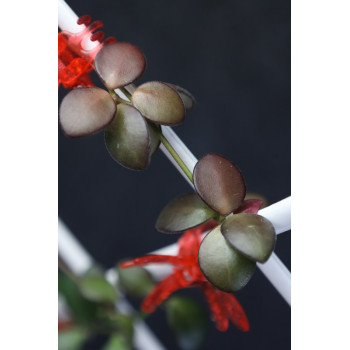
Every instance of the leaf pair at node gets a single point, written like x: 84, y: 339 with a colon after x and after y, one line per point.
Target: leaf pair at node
x: 131, y: 127
x: 228, y: 254
x: 85, y: 111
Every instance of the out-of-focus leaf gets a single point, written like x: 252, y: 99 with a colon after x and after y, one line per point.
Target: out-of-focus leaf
x: 159, y: 103
x: 72, y: 339
x: 117, y: 342
x: 119, y: 64
x: 96, y: 288
x: 251, y: 234
x: 188, y: 321
x: 222, y: 265
x: 115, y: 322
x: 219, y: 183
x: 136, y: 281
x: 84, y: 311
x: 84, y: 111
x: 127, y: 138
x: 183, y: 213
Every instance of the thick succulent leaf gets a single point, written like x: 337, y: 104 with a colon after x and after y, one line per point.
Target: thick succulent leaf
x: 127, y: 138
x: 186, y: 97
x: 188, y: 320
x: 159, y: 103
x: 183, y: 213
x: 219, y: 183
x: 251, y: 234
x: 72, y: 339
x: 135, y: 281
x: 97, y: 289
x: 119, y: 64
x: 84, y: 111
x: 223, y: 266
x: 155, y: 141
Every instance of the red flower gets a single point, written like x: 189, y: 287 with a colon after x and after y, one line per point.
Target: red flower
x: 186, y: 273
x: 74, y: 63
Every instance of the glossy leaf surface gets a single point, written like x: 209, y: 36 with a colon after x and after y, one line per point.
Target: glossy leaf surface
x: 159, y: 103
x: 97, y: 289
x: 251, y: 234
x: 219, y: 183
x: 222, y: 265
x: 127, y: 138
x: 183, y: 213
x: 119, y: 64
x: 188, y: 321
x: 135, y: 281
x: 84, y: 111
x: 186, y: 97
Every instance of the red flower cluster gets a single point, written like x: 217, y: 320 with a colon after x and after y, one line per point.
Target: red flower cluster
x: 74, y: 63
x: 186, y: 273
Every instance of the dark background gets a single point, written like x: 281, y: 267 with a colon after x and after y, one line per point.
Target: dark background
x: 234, y: 57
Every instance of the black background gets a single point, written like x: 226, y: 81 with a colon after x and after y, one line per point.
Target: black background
x: 234, y: 57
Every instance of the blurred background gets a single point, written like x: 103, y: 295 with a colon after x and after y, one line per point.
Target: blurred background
x: 234, y: 57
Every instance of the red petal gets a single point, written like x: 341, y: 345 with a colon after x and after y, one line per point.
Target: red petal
x: 250, y: 206
x: 190, y: 241
x: 218, y: 313
x: 235, y: 311
x: 149, y: 259
x: 161, y: 291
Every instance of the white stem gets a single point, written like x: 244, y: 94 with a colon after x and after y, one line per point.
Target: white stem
x: 71, y: 251
x: 277, y: 273
x: 279, y: 215
x: 274, y: 270
x: 79, y: 261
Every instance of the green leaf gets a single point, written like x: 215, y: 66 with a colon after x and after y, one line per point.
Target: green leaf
x: 183, y: 213
x: 251, y: 234
x: 119, y: 64
x: 136, y: 281
x: 96, y: 288
x: 186, y: 97
x: 72, y: 339
x: 159, y: 103
x: 188, y: 321
x: 219, y: 183
x: 127, y: 138
x: 117, y: 342
x: 84, y: 111
x: 222, y: 265
x: 117, y: 322
x: 84, y: 311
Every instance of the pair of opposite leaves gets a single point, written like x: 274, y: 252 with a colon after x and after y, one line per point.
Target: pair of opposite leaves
x: 228, y: 254
x: 131, y: 134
